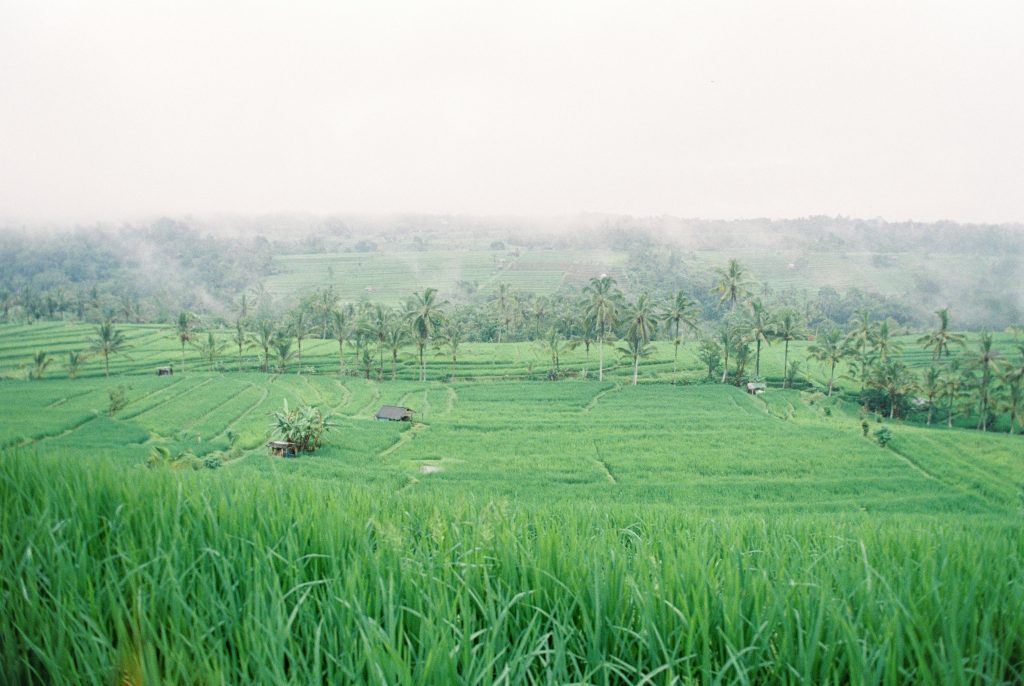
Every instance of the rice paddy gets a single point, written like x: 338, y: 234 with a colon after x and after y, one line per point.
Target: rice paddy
x: 517, y: 531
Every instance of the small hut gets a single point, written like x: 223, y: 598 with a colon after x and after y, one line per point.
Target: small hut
x: 282, y: 448
x: 756, y: 387
x: 165, y: 371
x: 394, y: 413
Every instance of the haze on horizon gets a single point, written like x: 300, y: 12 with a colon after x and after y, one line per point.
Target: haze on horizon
x: 906, y: 110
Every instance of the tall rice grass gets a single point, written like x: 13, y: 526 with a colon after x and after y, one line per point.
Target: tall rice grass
x: 115, y: 575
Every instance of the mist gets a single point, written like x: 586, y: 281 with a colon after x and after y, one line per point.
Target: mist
x: 114, y: 111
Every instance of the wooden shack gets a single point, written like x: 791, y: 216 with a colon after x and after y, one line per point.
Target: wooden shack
x: 282, y: 448
x: 756, y: 387
x: 165, y: 371
x: 394, y: 413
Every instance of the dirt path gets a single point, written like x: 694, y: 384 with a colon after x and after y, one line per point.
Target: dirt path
x: 593, y: 401
x: 403, y: 438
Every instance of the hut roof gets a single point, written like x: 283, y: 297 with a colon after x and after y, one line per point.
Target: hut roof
x: 394, y: 413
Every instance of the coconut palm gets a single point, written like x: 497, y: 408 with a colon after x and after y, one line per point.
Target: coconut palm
x: 859, y: 341
x: 397, y: 337
x: 503, y: 302
x: 893, y: 378
x: 425, y: 316
x: 829, y: 350
x: 554, y: 345
x: 263, y: 336
x: 940, y: 339
x: 40, y: 361
x: 283, y: 353
x: 710, y: 354
x: 986, y: 362
x: 728, y: 339
x: 642, y: 324
x: 584, y: 335
x: 300, y: 326
x: 883, y: 345
x: 733, y: 284
x: 680, y: 312
x: 240, y: 337
x: 952, y: 389
x: 634, y: 348
x: 603, y: 304
x: 184, y: 330
x: 450, y: 337
x: 1013, y: 381
x: 109, y: 340
x: 758, y: 329
x: 932, y: 382
x: 210, y: 349
x: 788, y: 327
x: 75, y: 361
x: 341, y: 329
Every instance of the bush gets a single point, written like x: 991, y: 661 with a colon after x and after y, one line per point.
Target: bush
x: 883, y: 436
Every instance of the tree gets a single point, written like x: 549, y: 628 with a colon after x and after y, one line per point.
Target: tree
x: 829, y: 350
x: 602, y: 309
x: 882, y: 343
x: 585, y: 337
x: 940, y: 339
x: 554, y: 345
x: 450, y: 337
x: 1013, y: 379
x: 642, y: 324
x: 264, y: 337
x: 425, y: 316
x: 952, y: 388
x: 758, y: 329
x: 859, y: 341
x: 733, y: 284
x: 728, y: 339
x: 185, y: 331
x: 300, y: 327
x: 40, y: 361
x: 283, y: 353
x: 502, y: 301
x: 210, y: 349
x: 932, y: 383
x: 241, y: 338
x: 893, y: 378
x: 986, y: 362
x: 788, y: 327
x: 397, y: 337
x: 341, y: 329
x: 681, y: 311
x: 109, y: 340
x: 709, y: 353
x: 324, y: 306
x: 75, y: 361
x: 376, y: 326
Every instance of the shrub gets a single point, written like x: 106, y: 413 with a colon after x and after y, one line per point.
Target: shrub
x: 883, y: 436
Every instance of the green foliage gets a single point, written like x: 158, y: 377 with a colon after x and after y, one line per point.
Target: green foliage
x: 883, y: 436
x: 303, y: 427
x: 118, y: 400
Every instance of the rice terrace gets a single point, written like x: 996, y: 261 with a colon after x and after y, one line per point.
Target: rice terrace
x: 511, y: 343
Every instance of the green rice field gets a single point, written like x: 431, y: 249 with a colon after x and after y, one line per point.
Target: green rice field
x: 517, y: 531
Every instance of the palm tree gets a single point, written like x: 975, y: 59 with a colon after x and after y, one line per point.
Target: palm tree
x: 710, y: 353
x: 758, y: 328
x: 941, y: 338
x: 341, y: 329
x: 732, y: 284
x: 283, y: 353
x: 40, y: 362
x: 635, y: 347
x: 108, y: 341
x: 425, y: 316
x: 728, y: 340
x: 75, y: 361
x: 829, y: 350
x: 1013, y: 379
x: 859, y: 340
x: 376, y: 326
x: 602, y: 309
x: 893, y: 378
x: 584, y: 337
x: 451, y: 336
x: 789, y: 328
x: 986, y: 362
x: 502, y: 300
x: 264, y: 337
x: 241, y: 338
x: 210, y: 349
x: 299, y: 326
x: 397, y: 337
x: 882, y: 342
x: 932, y: 382
x: 325, y: 305
x: 554, y: 345
x: 185, y: 332
x: 952, y: 388
x: 642, y: 324
x: 681, y: 311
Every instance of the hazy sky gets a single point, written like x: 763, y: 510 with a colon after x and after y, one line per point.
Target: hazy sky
x: 713, y: 109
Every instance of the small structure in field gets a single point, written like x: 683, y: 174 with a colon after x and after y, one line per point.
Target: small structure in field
x: 282, y: 448
x: 394, y: 413
x: 165, y: 371
x: 756, y: 387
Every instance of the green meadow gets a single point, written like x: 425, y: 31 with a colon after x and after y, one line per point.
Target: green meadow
x: 519, y: 530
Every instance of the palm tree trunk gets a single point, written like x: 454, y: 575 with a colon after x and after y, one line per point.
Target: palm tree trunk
x: 725, y: 366
x: 785, y: 366
x: 106, y: 364
x: 636, y: 364
x: 341, y: 358
x: 183, y: 356
x: 757, y: 362
x: 600, y: 357
x: 831, y: 379
x: 298, y: 359
x: 423, y: 366
x: 394, y: 365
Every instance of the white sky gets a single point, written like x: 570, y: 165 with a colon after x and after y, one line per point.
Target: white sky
x: 714, y: 109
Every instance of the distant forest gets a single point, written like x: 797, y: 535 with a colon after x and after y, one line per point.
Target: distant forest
x: 154, y: 271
